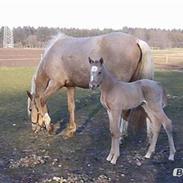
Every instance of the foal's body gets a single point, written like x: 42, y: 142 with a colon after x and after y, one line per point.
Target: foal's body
x: 118, y: 95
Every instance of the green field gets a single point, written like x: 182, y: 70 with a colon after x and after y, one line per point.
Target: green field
x: 83, y: 156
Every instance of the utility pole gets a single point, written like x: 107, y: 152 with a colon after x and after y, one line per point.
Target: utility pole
x: 8, y: 41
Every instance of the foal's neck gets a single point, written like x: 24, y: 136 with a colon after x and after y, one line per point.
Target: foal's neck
x: 108, y: 80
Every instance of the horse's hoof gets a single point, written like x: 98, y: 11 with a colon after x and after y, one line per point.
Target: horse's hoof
x: 66, y: 134
x: 51, y: 128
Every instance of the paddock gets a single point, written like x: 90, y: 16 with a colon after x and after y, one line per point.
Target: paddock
x: 26, y: 157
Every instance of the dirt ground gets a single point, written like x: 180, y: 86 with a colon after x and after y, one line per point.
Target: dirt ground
x: 18, y: 57
x: 29, y: 158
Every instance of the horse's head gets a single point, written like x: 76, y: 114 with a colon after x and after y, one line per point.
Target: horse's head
x: 38, y: 113
x: 96, y: 73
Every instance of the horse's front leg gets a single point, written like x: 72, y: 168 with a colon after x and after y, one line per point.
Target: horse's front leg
x: 71, y: 127
x: 52, y: 87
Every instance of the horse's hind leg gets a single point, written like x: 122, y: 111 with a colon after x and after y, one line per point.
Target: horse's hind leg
x: 71, y: 128
x: 167, y: 124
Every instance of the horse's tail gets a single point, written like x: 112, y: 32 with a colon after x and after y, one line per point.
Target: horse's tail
x: 145, y: 70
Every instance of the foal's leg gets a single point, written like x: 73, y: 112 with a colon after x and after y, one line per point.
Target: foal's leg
x: 156, y: 125
x: 71, y: 128
x: 149, y: 130
x: 167, y: 124
x: 114, y: 117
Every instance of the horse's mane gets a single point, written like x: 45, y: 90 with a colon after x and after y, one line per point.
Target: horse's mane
x: 52, y: 41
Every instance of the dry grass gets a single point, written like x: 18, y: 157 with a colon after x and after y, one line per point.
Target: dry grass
x: 168, y: 59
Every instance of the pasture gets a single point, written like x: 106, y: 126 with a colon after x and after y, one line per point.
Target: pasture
x: 26, y: 157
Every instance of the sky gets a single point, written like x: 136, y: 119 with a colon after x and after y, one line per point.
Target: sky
x: 115, y: 14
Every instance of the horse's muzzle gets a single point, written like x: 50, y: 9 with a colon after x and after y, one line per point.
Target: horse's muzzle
x: 93, y: 86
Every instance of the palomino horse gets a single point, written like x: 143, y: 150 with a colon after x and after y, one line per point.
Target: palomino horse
x: 118, y: 95
x: 65, y: 64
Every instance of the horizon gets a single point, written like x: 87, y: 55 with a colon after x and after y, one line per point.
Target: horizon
x: 101, y: 29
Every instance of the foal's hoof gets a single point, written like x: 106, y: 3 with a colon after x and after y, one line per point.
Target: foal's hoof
x: 171, y: 158
x: 67, y: 134
x: 147, y: 156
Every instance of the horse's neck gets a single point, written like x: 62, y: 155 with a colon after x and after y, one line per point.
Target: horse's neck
x: 38, y: 83
x: 108, y: 81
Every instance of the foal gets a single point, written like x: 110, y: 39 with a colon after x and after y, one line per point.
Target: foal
x: 117, y: 96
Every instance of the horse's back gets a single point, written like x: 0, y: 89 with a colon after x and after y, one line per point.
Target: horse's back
x: 68, y: 57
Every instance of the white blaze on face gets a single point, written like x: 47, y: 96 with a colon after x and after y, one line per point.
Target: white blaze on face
x: 93, y: 69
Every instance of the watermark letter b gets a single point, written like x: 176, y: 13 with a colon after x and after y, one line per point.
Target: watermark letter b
x: 178, y: 172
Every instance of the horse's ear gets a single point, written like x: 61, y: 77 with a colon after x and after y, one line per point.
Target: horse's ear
x: 29, y: 95
x: 90, y: 60
x: 101, y: 60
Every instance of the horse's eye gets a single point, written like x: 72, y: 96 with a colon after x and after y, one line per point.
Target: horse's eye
x: 99, y: 73
x: 30, y: 110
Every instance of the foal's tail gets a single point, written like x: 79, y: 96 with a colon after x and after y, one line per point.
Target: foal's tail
x: 164, y: 98
x: 144, y: 70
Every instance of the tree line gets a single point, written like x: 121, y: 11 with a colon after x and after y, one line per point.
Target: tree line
x: 38, y: 37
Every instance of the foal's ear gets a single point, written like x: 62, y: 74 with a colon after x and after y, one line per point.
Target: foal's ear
x: 101, y: 60
x: 29, y: 95
x: 90, y: 60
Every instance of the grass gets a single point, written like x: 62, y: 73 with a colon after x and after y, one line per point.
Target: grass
x: 16, y: 135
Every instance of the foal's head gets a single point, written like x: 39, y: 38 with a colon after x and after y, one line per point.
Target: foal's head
x: 96, y: 73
